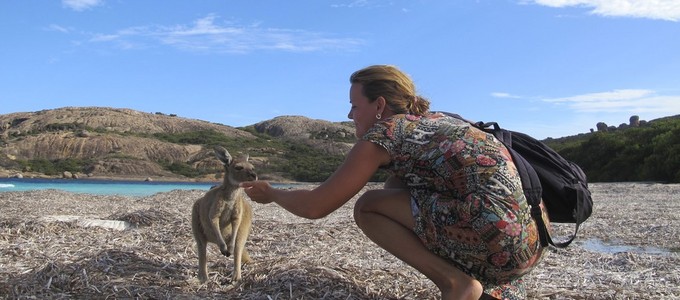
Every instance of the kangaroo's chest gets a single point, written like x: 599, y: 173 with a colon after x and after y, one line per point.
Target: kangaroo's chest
x: 229, y: 207
x: 229, y: 210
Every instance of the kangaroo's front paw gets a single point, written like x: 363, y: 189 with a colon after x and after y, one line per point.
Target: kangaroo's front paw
x: 225, y: 251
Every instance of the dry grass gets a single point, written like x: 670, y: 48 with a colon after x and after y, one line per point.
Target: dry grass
x: 295, y: 258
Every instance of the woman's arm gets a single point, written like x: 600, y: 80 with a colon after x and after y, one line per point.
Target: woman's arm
x: 393, y: 182
x: 359, y: 165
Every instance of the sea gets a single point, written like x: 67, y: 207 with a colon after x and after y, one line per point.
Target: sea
x: 100, y: 187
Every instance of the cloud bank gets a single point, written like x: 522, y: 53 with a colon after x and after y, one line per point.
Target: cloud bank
x: 668, y: 10
x: 627, y: 100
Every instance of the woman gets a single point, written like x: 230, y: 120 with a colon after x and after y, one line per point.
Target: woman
x: 453, y: 207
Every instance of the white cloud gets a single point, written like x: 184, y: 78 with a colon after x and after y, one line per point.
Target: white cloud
x: 504, y: 95
x: 55, y: 27
x: 208, y: 35
x: 353, y: 4
x: 627, y: 100
x: 105, y: 37
x: 81, y: 5
x: 668, y: 10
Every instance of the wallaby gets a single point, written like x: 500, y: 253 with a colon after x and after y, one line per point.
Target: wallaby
x: 223, y: 215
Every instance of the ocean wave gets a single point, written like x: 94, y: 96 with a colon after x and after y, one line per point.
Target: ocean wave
x: 6, y: 185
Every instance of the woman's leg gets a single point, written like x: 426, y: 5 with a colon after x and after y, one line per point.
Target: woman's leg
x: 385, y: 217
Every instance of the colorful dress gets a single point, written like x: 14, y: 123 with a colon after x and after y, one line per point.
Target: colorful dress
x: 466, y: 196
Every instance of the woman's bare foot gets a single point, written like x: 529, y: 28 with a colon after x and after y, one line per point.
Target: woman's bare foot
x: 469, y: 289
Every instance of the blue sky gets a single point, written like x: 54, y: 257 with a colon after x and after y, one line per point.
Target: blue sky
x: 550, y: 68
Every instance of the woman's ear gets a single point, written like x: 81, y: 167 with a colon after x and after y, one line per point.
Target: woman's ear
x: 381, y: 104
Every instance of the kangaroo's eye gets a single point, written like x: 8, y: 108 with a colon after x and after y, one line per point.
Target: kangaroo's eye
x: 239, y: 168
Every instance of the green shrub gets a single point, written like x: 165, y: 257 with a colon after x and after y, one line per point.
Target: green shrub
x: 182, y: 169
x: 55, y: 167
x: 646, y: 153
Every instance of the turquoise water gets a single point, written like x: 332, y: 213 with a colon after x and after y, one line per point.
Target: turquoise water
x: 100, y: 187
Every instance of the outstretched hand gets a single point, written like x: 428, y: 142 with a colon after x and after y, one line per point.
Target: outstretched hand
x: 258, y: 191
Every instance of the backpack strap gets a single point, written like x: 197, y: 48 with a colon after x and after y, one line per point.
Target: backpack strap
x: 580, y: 194
x: 564, y: 184
x: 531, y: 183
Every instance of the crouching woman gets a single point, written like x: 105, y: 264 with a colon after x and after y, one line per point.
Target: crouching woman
x: 453, y: 207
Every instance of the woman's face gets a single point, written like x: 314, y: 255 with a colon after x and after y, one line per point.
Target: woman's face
x: 362, y: 112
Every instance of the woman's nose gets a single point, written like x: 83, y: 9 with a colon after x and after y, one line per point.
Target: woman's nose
x: 349, y: 115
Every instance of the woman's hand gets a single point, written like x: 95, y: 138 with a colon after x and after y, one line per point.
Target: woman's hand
x: 259, y: 191
x: 360, y: 164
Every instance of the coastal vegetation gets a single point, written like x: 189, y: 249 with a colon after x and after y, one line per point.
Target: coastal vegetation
x: 645, y: 153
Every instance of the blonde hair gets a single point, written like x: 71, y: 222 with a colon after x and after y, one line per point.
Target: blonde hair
x: 392, y: 84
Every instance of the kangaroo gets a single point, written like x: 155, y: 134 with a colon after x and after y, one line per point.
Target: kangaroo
x: 223, y: 215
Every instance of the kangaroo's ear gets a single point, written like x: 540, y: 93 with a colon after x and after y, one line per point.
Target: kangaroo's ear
x: 246, y: 157
x: 223, y: 155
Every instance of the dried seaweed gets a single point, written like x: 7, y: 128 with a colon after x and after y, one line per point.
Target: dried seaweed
x: 294, y: 258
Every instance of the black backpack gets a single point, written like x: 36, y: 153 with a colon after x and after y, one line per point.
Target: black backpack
x: 546, y: 175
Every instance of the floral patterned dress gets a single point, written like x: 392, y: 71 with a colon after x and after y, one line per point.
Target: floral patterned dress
x: 466, y: 197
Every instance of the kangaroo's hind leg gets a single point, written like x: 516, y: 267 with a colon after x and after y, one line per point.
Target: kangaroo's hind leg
x: 202, y: 264
x: 240, y: 254
x: 201, y: 243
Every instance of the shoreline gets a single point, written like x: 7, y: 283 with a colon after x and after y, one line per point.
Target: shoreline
x: 207, y: 178
x: 29, y: 175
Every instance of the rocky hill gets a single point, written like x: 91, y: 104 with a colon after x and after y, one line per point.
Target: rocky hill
x: 114, y: 142
x: 333, y: 138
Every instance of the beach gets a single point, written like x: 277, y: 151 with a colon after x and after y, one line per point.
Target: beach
x: 57, y: 245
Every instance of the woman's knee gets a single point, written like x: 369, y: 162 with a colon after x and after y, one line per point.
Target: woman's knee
x: 392, y: 203
x: 364, y: 204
